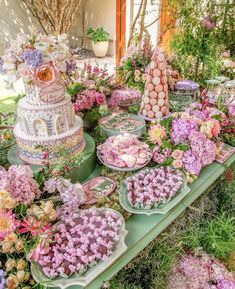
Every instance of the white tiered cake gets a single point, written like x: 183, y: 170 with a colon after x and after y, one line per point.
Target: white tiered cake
x: 47, y: 123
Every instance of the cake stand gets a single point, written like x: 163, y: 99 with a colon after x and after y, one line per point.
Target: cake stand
x: 78, y: 174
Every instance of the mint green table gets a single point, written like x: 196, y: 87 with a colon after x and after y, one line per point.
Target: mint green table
x: 143, y: 229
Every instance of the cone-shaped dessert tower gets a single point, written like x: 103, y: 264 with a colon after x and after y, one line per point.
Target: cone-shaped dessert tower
x: 154, y: 104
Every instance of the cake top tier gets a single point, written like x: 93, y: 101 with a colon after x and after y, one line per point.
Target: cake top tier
x: 39, y: 59
x: 50, y: 94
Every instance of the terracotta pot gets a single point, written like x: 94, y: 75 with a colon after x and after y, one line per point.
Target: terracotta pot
x: 100, y: 48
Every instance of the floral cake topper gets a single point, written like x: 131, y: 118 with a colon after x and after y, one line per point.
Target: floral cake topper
x: 40, y: 59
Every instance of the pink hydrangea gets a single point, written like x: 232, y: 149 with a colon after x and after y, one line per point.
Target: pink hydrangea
x: 87, y: 98
x: 200, y: 272
x: 19, y: 181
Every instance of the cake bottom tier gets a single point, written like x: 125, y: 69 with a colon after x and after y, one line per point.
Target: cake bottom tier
x: 37, y: 151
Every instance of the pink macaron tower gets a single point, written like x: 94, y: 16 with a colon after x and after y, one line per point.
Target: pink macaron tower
x: 154, y: 104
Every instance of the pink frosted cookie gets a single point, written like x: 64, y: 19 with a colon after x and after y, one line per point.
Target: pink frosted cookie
x: 146, y: 93
x: 153, y: 101
x: 156, y: 72
x: 147, y: 107
x: 150, y: 87
x: 161, y: 102
x: 149, y: 78
x: 151, y: 114
x: 165, y: 87
x: 164, y: 109
x: 153, y: 94
x: 162, y: 65
x: 144, y: 112
x: 161, y: 57
x: 159, y: 88
x: 156, y: 80
x: 161, y: 94
x: 156, y: 108
x: 158, y: 114
x: 164, y: 79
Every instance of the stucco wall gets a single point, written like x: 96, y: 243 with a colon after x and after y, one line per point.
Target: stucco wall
x: 14, y: 19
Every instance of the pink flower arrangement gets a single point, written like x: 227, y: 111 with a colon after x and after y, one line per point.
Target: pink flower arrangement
x: 19, y: 182
x: 78, y: 242
x: 151, y: 187
x: 87, y: 98
x: 8, y: 223
x: 200, y: 272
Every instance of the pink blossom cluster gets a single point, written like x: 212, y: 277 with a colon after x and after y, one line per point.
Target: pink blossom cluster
x: 208, y: 23
x: 160, y: 156
x: 87, y: 98
x: 95, y: 71
x: 72, y: 195
x: 200, y: 272
x: 202, y: 153
x: 19, y: 182
x: 151, y: 187
x: 124, y: 96
x: 80, y: 242
x: 124, y: 151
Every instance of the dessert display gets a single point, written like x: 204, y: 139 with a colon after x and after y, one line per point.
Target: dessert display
x: 154, y: 104
x: 152, y: 187
x: 122, y: 122
x: 124, y: 152
x: 124, y: 97
x: 97, y: 188
x: 79, y: 243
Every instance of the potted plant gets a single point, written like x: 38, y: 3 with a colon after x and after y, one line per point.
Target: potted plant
x: 100, y: 41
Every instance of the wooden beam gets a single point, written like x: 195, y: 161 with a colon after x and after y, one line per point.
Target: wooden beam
x: 120, y: 29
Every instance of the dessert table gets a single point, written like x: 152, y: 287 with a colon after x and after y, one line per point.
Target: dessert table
x: 143, y: 229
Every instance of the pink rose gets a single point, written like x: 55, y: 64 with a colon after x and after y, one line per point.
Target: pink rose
x: 177, y: 154
x: 177, y: 164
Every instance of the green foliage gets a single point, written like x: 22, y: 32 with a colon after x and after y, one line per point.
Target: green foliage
x: 216, y: 237
x: 149, y: 267
x: 98, y: 35
x: 198, y: 48
x: 75, y: 88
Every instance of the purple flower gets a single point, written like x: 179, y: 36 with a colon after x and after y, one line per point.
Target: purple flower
x: 225, y: 284
x: 191, y: 163
x: 231, y: 109
x: 208, y: 23
x: 186, y: 85
x: 3, y: 280
x: 2, y: 70
x: 32, y: 57
x: 181, y: 129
